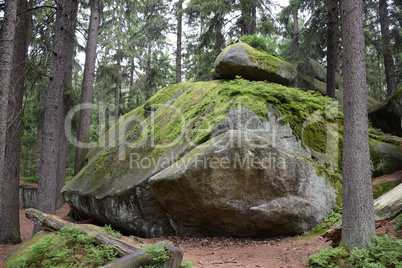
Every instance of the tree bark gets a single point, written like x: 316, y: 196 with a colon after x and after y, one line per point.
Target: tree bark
x: 87, y: 86
x: 357, y: 196
x: 119, y: 76
x: 68, y: 77
x: 388, y: 60
x: 248, y: 12
x: 11, y: 94
x: 332, y: 40
x: 179, y: 35
x: 148, y: 74
x: 66, y: 15
x: 296, y: 30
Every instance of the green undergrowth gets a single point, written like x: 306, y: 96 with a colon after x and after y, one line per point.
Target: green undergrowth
x: 111, y: 232
x: 398, y: 223
x: 160, y: 254
x: 32, y: 179
x: 331, y: 219
x: 381, y: 188
x: 386, y: 252
x: 67, y: 248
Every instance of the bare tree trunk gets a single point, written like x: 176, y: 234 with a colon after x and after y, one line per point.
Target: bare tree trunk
x: 357, y: 196
x: 388, y: 60
x: 296, y: 29
x: 254, y: 16
x: 179, y: 35
x: 68, y: 78
x: 119, y: 78
x: 66, y: 15
x: 332, y: 40
x: 87, y: 85
x: 248, y: 12
x: 11, y: 93
x: 379, y: 78
x: 148, y: 73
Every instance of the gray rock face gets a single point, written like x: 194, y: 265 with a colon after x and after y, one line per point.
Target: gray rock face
x: 388, y: 116
x: 239, y: 184
x: 159, y: 139
x: 388, y: 160
x: 249, y: 63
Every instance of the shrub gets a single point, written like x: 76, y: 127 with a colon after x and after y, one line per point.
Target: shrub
x: 111, y: 232
x: 331, y: 219
x: 158, y: 252
x: 260, y: 43
x: 385, y: 252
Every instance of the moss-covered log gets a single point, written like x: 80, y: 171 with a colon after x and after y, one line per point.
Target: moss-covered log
x: 131, y: 255
x: 54, y: 223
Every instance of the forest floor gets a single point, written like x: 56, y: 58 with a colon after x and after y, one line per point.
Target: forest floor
x: 286, y: 252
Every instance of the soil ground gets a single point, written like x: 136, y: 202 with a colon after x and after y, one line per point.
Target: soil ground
x: 280, y: 252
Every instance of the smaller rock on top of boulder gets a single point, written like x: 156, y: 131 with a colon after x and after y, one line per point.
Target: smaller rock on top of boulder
x: 253, y: 64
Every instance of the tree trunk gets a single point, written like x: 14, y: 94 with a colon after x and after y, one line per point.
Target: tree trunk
x: 379, y: 78
x: 9, y: 176
x: 66, y: 15
x: 119, y: 78
x: 357, y: 196
x: 296, y: 30
x: 87, y: 86
x: 62, y: 156
x: 179, y: 35
x: 388, y: 60
x: 332, y: 40
x: 148, y: 73
x: 254, y: 17
x: 248, y: 12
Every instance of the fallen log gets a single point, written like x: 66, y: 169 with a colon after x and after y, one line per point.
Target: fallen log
x: 386, y: 208
x: 54, y: 223
x: 131, y: 256
x: 389, y: 205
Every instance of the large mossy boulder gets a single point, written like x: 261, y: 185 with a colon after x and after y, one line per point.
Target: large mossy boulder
x: 114, y: 186
x: 142, y: 177
x: 388, y: 115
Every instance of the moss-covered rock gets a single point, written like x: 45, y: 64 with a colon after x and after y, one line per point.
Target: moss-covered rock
x: 386, y: 158
x: 388, y: 115
x: 253, y: 64
x: 114, y: 188
x: 243, y: 60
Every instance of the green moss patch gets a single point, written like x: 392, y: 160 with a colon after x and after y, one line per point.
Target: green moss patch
x: 67, y: 248
x: 381, y: 188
